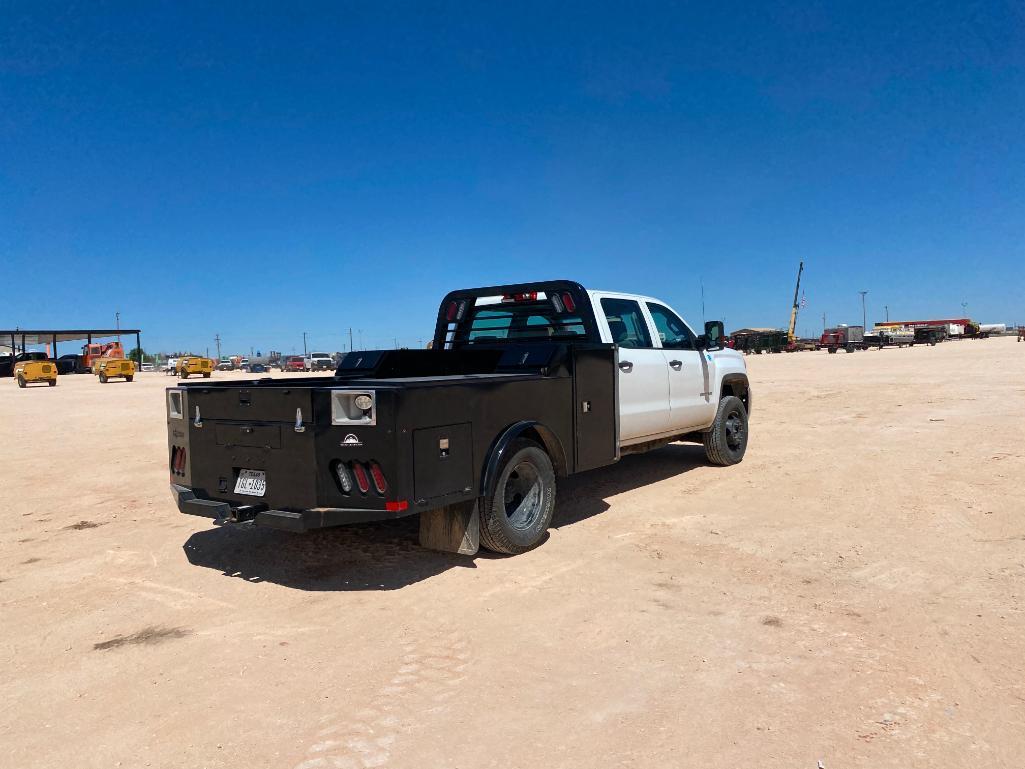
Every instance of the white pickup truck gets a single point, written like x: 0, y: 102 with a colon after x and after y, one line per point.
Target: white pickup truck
x: 524, y: 383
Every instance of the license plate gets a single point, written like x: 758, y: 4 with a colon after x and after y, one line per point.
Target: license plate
x: 251, y: 482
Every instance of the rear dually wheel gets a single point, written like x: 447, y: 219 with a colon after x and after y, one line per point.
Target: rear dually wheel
x: 515, y: 518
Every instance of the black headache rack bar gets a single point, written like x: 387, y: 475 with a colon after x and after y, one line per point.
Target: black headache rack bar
x: 463, y: 301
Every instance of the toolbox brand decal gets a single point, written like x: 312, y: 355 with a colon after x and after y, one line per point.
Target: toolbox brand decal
x: 351, y: 440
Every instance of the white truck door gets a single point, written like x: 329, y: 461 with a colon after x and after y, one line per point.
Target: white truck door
x: 643, y: 373
x: 691, y: 372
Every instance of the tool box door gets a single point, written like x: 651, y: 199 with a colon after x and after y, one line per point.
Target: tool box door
x: 442, y: 461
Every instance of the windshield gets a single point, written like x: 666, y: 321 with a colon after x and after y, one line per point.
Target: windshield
x: 521, y: 321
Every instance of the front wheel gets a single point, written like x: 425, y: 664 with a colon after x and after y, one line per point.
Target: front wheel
x: 206, y: 375
x: 129, y: 377
x: 515, y: 518
x: 53, y: 383
x: 726, y: 441
x: 21, y: 381
x: 185, y: 375
x: 103, y: 378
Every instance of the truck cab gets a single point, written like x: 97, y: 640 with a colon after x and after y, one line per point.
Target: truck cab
x: 667, y: 385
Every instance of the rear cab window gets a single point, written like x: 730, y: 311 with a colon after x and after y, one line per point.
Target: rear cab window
x: 626, y: 323
x: 532, y: 319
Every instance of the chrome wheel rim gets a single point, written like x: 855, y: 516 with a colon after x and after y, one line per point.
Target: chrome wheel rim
x: 521, y: 496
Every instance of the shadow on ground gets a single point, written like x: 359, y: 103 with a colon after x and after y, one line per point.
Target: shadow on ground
x: 386, y: 556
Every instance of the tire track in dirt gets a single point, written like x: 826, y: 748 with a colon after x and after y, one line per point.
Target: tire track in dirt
x: 425, y: 680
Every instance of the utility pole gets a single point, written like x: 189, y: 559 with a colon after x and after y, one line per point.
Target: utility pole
x: 350, y: 338
x: 702, y: 300
x: 886, y: 307
x: 396, y: 342
x: 304, y: 344
x: 823, y: 321
x: 117, y: 325
x: 217, y: 339
x: 863, y: 314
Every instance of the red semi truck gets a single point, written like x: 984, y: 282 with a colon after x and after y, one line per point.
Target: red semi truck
x: 849, y: 338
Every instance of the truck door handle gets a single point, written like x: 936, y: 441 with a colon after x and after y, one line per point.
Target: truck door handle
x: 676, y: 364
x: 626, y: 366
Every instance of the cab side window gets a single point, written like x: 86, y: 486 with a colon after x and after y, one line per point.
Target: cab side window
x: 671, y: 330
x: 626, y: 322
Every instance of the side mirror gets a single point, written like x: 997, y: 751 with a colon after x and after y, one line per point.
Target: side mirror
x: 714, y: 334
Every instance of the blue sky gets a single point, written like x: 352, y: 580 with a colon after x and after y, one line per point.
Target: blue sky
x: 262, y: 170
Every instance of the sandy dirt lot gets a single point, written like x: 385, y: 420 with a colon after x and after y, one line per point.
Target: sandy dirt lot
x: 851, y: 593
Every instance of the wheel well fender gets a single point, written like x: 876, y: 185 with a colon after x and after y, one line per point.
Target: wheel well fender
x: 736, y: 384
x: 536, y: 432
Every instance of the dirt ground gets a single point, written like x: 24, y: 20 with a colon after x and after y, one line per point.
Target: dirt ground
x: 851, y: 593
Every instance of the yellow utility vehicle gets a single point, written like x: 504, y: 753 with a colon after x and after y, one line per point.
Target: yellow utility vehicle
x: 193, y: 364
x: 113, y: 368
x: 31, y: 371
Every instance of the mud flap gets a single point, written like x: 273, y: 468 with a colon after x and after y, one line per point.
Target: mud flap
x: 451, y: 529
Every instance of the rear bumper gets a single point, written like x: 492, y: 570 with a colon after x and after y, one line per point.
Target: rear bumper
x: 287, y: 520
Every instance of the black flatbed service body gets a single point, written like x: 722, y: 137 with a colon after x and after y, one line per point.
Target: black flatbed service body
x: 440, y: 421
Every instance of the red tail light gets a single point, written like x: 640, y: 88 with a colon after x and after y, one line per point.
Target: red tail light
x: 379, y: 483
x: 568, y: 303
x: 396, y: 507
x: 455, y: 311
x: 178, y: 460
x: 361, y: 477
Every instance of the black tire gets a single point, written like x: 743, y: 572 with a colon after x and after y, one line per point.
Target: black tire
x: 205, y: 376
x: 103, y: 378
x: 516, y: 517
x: 185, y: 375
x: 832, y: 350
x: 53, y: 383
x: 726, y: 441
x: 21, y: 381
x: 129, y: 377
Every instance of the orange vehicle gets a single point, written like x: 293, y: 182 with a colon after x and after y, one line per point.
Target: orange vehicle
x: 92, y: 353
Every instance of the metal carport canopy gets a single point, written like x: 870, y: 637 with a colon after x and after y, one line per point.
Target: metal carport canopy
x: 36, y: 336
x: 23, y: 337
